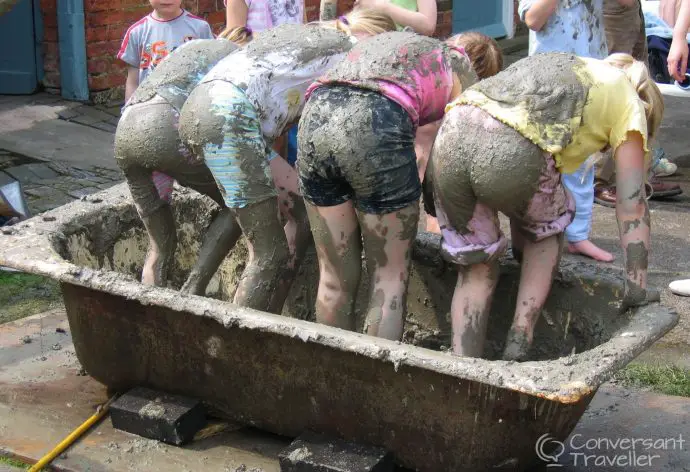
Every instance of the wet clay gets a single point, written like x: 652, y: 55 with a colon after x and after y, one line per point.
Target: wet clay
x: 303, y: 42
x: 218, y: 241
x: 342, y: 252
x: 389, y: 56
x: 163, y: 242
x: 176, y: 76
x: 547, y: 85
x: 199, y: 126
x: 636, y: 259
x: 260, y: 285
x: 486, y: 162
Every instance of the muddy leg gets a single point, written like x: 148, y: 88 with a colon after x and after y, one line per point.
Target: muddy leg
x: 260, y: 286
x: 471, y: 306
x: 388, y: 243
x: 538, y: 268
x: 339, y: 249
x: 160, y: 226
x: 220, y: 238
x: 292, y: 208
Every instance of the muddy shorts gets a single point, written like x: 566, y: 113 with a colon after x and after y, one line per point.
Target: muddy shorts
x: 625, y: 30
x: 356, y: 144
x: 235, y: 150
x: 150, y: 153
x: 480, y: 166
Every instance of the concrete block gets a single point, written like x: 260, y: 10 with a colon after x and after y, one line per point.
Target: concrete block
x: 43, y: 171
x: 313, y: 452
x: 105, y: 126
x: 172, y: 419
x: 22, y: 173
x: 82, y: 192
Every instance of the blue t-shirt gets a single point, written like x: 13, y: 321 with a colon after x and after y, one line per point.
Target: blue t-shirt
x: 576, y: 27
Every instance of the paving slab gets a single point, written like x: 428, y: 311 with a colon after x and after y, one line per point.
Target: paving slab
x: 44, y: 396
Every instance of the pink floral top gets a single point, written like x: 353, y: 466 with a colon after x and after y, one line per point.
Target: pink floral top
x: 412, y: 70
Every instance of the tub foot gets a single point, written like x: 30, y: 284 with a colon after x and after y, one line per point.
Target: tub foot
x: 172, y: 419
x: 313, y: 452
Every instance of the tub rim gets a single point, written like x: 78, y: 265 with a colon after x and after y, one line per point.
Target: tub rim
x: 28, y: 246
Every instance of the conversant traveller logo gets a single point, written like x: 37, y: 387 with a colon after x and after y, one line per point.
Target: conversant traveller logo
x: 623, y: 452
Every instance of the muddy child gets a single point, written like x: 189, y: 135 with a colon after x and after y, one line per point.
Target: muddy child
x: 358, y: 172
x: 504, y: 145
x: 231, y: 120
x: 150, y: 153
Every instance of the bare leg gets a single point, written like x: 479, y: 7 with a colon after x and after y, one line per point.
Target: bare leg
x: 388, y: 243
x: 471, y: 306
x: 220, y: 238
x: 160, y: 226
x: 538, y: 268
x: 260, y: 286
x: 293, y: 210
x: 338, y: 246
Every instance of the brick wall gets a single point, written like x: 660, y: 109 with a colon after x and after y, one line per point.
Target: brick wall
x: 107, y: 21
x: 51, y: 54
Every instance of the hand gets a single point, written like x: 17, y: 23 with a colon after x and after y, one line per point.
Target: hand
x: 635, y: 296
x: 376, y: 4
x: 678, y: 58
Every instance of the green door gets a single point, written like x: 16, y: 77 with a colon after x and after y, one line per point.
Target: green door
x: 485, y: 16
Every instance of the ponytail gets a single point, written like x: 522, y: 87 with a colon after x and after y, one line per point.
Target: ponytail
x: 239, y: 35
x: 362, y: 21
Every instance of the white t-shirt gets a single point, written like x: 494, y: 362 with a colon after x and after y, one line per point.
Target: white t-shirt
x: 149, y: 41
x: 276, y: 68
x: 265, y: 14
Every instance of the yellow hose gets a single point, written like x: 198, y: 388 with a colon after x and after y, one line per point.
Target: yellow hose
x: 73, y: 436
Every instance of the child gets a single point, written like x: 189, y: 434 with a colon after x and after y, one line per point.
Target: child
x: 358, y: 171
x: 230, y: 120
x: 261, y: 15
x: 625, y: 32
x: 544, y: 116
x: 149, y: 40
x: 147, y: 141
x: 575, y: 27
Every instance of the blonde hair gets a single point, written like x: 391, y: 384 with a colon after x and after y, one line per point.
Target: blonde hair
x: 647, y: 91
x: 362, y: 21
x: 239, y: 35
x: 484, y: 52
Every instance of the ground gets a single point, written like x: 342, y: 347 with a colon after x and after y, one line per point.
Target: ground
x: 61, y: 151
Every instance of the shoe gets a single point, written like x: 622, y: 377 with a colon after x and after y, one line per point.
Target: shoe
x: 662, y: 190
x: 605, y: 195
x: 664, y: 168
x: 680, y: 287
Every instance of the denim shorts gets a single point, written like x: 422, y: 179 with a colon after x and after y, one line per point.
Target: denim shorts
x: 356, y: 144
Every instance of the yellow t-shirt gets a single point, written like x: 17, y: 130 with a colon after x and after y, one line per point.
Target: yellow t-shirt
x: 611, y: 111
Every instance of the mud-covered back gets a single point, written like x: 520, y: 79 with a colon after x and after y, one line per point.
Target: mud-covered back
x: 176, y: 76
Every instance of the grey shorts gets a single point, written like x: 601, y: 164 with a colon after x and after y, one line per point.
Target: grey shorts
x: 356, y: 144
x: 147, y: 143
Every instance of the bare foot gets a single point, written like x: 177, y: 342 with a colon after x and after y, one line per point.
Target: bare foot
x: 589, y: 249
x: 432, y: 225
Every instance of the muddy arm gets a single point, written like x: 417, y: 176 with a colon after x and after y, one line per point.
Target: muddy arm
x: 632, y: 213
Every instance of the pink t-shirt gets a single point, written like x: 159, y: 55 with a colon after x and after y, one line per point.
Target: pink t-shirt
x: 412, y: 70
